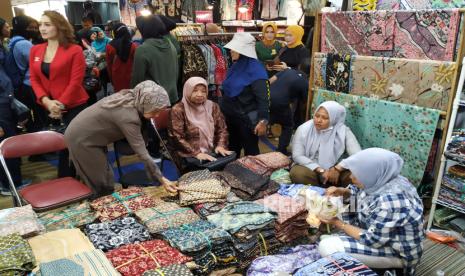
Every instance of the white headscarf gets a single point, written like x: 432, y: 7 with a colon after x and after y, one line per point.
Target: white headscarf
x: 329, y: 143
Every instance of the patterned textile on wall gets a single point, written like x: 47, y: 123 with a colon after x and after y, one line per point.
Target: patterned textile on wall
x: 319, y: 69
x: 424, y: 34
x: 171, y: 9
x: 419, y: 4
x: 364, y: 5
x: 405, y: 129
x: 338, y: 72
x: 418, y: 82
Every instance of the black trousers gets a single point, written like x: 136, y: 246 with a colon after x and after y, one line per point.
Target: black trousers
x: 65, y: 168
x: 8, y: 124
x: 284, y: 117
x: 241, y: 136
x: 39, y: 117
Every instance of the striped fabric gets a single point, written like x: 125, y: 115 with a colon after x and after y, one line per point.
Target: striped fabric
x: 87, y: 263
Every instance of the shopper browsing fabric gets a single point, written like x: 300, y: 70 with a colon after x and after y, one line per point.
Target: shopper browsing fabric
x: 245, y: 100
x: 116, y: 117
x: 389, y: 217
x: 57, y: 71
x: 268, y: 48
x: 197, y: 129
x: 319, y: 144
x: 295, y: 52
x: 7, y: 120
x: 120, y: 57
x: 156, y: 58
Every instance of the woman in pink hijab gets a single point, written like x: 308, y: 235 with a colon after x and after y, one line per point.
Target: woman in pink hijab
x: 197, y: 129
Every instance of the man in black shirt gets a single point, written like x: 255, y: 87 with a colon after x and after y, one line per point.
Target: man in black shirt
x: 288, y: 88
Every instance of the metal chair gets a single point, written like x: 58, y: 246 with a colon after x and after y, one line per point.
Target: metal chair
x: 48, y: 194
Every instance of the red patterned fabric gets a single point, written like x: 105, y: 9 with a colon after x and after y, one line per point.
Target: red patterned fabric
x: 135, y: 259
x: 122, y: 203
x: 221, y: 67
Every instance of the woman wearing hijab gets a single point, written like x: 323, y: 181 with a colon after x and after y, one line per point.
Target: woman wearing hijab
x: 295, y: 52
x: 387, y: 231
x: 121, y: 115
x: 268, y: 48
x: 156, y: 59
x: 197, y: 129
x: 99, y: 40
x: 120, y: 57
x: 245, y: 98
x: 319, y: 144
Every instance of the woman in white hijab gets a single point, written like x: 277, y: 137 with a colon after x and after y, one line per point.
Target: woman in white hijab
x: 387, y: 231
x: 319, y: 144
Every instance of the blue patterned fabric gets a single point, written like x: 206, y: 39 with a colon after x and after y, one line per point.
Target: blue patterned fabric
x: 404, y: 129
x: 241, y: 214
x: 294, y: 189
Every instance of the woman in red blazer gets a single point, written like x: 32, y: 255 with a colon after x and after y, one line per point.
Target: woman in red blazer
x: 120, y: 57
x: 57, y: 70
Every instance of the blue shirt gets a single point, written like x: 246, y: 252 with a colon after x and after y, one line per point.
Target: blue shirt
x: 6, y: 87
x: 21, y: 53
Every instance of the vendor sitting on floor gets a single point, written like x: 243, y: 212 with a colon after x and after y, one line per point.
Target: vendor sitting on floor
x: 388, y: 229
x: 319, y: 144
x: 197, y: 129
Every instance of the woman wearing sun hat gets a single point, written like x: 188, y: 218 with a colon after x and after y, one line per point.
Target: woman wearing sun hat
x: 245, y: 98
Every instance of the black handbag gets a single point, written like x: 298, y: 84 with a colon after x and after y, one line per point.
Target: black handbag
x: 91, y: 84
x: 20, y: 110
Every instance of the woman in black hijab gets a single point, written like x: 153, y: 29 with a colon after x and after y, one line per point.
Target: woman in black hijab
x: 120, y: 57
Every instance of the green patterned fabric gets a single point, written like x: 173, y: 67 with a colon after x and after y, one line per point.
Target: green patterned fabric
x: 405, y: 129
x: 16, y: 256
x: 281, y: 176
x: 73, y: 216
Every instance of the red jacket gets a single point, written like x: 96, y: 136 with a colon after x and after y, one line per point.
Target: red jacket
x: 120, y: 72
x: 66, y: 75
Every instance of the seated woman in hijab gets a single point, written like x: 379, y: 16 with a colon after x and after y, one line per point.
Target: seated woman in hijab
x: 387, y: 231
x: 319, y: 144
x: 197, y: 129
x: 121, y: 115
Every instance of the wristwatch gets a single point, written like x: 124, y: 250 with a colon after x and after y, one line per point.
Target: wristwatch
x: 320, y: 170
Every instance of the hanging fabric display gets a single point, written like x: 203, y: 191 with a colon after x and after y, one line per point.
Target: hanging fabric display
x: 389, y: 125
x: 247, y: 13
x: 269, y: 9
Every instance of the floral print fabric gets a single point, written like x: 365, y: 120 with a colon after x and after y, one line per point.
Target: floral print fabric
x: 87, y: 263
x: 171, y: 270
x: 166, y: 215
x: 21, y: 220
x: 364, y: 5
x: 75, y: 215
x: 405, y: 129
x: 286, y: 207
x: 337, y: 72
x: 122, y: 203
x: 113, y: 234
x: 447, y: 4
x: 289, y: 262
x: 195, y: 236
x: 135, y: 259
x: 16, y: 257
x: 425, y: 34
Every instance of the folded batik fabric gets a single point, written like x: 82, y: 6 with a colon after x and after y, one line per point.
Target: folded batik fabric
x: 122, y: 203
x: 243, y: 214
x: 87, y: 263
x: 285, y: 207
x: 166, y: 215
x: 16, y: 256
x: 200, y: 187
x: 113, y: 234
x: 21, y: 220
x: 265, y: 164
x: 293, y: 259
x: 196, y: 236
x: 281, y: 176
x: 206, y: 209
x: 171, y: 270
x: 73, y: 216
x: 59, y: 244
x: 135, y: 259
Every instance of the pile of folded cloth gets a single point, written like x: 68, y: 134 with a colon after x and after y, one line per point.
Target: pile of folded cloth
x: 72, y: 216
x: 122, y: 203
x: 201, y: 187
x: 453, y: 186
x: 247, y: 184
x: 291, y: 222
x: 265, y: 164
x: 281, y: 176
x: 456, y: 146
x: 335, y: 264
x: 209, y: 246
x: 252, y: 228
x: 135, y: 259
x: 21, y: 220
x: 17, y: 257
x: 170, y: 270
x: 285, y: 262
x: 206, y: 209
x: 166, y: 215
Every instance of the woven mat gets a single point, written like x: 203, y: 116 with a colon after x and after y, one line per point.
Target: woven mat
x: 440, y: 256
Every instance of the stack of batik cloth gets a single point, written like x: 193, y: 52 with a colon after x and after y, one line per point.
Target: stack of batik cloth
x: 210, y: 246
x: 252, y: 227
x: 291, y: 223
x: 453, y: 186
x: 201, y: 187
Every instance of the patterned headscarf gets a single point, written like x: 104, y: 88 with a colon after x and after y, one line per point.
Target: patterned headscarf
x: 146, y: 97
